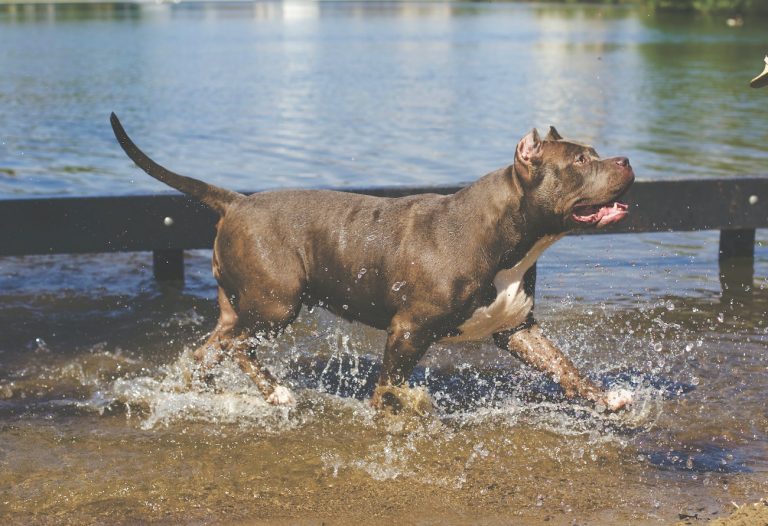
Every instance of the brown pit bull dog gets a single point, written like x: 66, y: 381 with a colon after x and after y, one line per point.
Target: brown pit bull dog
x: 425, y: 268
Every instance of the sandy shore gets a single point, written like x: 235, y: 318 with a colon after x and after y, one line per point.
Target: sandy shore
x: 743, y: 515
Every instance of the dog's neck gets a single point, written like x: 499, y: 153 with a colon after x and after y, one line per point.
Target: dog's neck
x: 496, y: 200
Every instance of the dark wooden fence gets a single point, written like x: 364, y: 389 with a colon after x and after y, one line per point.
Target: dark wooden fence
x: 168, y: 224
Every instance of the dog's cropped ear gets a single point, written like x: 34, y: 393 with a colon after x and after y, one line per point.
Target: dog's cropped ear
x: 527, y: 156
x: 553, y: 135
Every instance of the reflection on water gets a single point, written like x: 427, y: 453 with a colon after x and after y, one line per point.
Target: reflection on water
x: 265, y: 94
x: 100, y: 414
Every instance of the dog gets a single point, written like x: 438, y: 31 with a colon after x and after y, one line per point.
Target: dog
x: 426, y: 268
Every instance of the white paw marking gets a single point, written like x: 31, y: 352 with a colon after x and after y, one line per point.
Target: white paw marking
x: 618, y: 399
x: 281, y: 396
x: 512, y: 304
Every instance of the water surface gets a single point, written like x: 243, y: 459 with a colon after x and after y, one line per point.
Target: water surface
x: 257, y: 95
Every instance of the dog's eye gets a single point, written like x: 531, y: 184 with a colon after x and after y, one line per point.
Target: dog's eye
x: 581, y: 159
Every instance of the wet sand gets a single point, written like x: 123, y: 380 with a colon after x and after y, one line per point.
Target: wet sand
x: 408, y: 471
x: 754, y: 514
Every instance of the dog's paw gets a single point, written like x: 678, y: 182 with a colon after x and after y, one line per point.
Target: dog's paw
x: 617, y: 400
x: 398, y: 399
x: 281, y: 396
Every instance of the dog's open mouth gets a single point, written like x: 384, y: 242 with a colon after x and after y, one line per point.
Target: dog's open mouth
x: 600, y: 215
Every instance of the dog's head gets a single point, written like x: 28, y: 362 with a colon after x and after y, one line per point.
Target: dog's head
x: 567, y: 185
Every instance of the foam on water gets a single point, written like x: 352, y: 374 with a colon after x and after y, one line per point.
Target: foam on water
x: 178, y: 395
x: 399, y: 444
x: 486, y: 405
x: 334, y: 367
x: 342, y: 379
x: 409, y: 447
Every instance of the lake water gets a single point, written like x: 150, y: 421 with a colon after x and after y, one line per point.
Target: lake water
x: 96, y: 422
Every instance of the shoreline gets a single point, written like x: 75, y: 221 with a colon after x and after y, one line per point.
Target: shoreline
x: 659, y: 6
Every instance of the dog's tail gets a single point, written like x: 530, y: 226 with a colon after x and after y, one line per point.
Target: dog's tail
x: 213, y: 196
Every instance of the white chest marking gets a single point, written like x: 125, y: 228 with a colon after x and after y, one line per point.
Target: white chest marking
x: 512, y: 304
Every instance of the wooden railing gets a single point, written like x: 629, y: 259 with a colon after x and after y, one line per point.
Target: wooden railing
x: 168, y: 224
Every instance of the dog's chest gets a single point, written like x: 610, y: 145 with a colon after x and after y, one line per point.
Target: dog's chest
x: 512, y: 304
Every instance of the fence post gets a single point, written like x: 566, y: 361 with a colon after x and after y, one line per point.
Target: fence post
x: 737, y: 260
x: 737, y: 243
x: 168, y: 264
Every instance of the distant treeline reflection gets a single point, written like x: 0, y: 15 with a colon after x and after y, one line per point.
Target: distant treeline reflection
x: 729, y: 7
x: 709, y: 6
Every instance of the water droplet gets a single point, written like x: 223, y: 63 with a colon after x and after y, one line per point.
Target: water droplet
x: 362, y: 272
x: 406, y: 335
x: 670, y: 305
x: 695, y: 380
x: 345, y: 306
x: 720, y: 317
x: 39, y: 346
x: 398, y: 285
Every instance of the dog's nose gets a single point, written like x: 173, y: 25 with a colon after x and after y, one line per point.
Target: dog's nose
x: 623, y: 162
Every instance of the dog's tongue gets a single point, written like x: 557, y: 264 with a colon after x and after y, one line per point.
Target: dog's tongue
x: 601, y: 215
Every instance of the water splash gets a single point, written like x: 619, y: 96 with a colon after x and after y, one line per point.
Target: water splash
x: 179, y: 395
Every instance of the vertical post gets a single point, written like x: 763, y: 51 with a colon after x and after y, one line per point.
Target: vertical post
x: 168, y: 264
x: 737, y: 243
x: 737, y: 265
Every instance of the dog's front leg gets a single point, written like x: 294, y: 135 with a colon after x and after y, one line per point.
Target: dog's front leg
x: 530, y: 345
x: 406, y: 344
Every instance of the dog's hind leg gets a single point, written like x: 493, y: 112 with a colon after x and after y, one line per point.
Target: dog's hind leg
x: 232, y: 336
x: 212, y: 351
x: 266, y: 318
x: 273, y: 392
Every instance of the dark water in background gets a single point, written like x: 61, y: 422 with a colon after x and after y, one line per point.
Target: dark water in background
x: 95, y: 421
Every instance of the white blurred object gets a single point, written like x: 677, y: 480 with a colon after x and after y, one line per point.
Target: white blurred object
x: 618, y: 399
x: 281, y: 396
x: 762, y: 79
